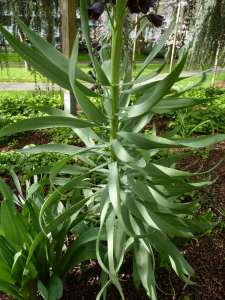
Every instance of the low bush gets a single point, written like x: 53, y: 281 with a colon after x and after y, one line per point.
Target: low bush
x: 16, y: 109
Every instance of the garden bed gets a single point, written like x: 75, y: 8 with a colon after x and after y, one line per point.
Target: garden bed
x: 205, y: 254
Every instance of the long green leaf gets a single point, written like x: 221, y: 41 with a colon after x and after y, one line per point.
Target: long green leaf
x: 8, y: 216
x: 145, y: 270
x: 89, y: 109
x: 51, y: 53
x: 154, y: 94
x: 85, y: 27
x: 162, y: 244
x: 152, y: 142
x: 44, y: 122
x: 145, y: 87
x: 11, y: 290
x: 173, y: 104
x: 37, y: 61
x: 156, y: 49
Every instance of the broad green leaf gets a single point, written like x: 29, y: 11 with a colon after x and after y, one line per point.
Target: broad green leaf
x: 18, y: 267
x: 55, y: 196
x: 156, y: 49
x: 85, y: 27
x: 43, y: 290
x: 26, y: 229
x: 55, y: 288
x: 145, y: 270
x: 44, y: 122
x: 88, y: 236
x: 8, y: 216
x: 51, y: 53
x: 6, y: 191
x: 29, y: 281
x: 10, y: 289
x: 144, y: 104
x: 54, y: 224
x: 5, y: 274
x: 89, y: 109
x: 37, y: 61
x: 7, y: 253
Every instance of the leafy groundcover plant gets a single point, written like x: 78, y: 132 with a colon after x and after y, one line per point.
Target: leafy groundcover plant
x: 127, y: 197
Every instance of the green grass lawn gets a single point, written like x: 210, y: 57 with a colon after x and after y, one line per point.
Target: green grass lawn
x: 17, y: 94
x: 19, y: 74
x: 82, y: 57
x: 193, y: 80
x: 12, y: 57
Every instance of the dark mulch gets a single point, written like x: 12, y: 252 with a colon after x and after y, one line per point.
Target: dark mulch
x: 205, y: 255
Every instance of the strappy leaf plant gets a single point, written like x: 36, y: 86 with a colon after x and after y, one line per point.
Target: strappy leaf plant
x: 135, y: 194
x: 31, y: 257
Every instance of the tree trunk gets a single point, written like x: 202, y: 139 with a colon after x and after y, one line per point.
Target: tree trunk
x: 215, y: 64
x: 68, y: 15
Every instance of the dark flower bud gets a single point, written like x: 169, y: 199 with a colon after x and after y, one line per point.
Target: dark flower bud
x: 92, y: 88
x: 94, y: 43
x: 89, y: 73
x: 137, y: 6
x: 155, y: 19
x: 102, y: 91
x: 95, y: 86
x: 100, y: 62
x: 93, y: 77
x: 90, y: 65
x: 95, y: 11
x: 98, y: 47
x: 94, y: 70
x: 96, y: 53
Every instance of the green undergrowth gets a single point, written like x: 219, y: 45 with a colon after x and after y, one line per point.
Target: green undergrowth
x: 204, y: 118
x: 13, y: 109
x: 16, y: 109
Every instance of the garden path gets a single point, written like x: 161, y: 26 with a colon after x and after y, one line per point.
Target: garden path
x: 21, y: 86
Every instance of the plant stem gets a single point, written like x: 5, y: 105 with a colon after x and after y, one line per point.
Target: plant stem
x: 117, y: 41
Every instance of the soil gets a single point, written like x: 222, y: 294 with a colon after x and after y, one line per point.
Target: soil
x: 206, y: 254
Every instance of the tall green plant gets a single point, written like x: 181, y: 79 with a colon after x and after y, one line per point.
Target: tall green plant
x: 135, y: 194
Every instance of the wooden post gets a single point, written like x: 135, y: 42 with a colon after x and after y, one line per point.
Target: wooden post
x: 68, y: 15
